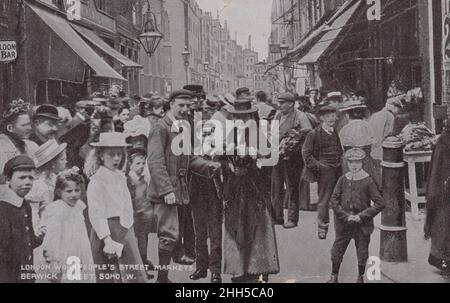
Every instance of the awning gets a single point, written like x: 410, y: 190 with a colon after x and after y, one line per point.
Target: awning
x: 62, y: 28
x: 105, y: 47
x: 330, y: 36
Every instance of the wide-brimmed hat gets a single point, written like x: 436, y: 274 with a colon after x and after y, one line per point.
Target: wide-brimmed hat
x: 353, y: 104
x: 325, y: 108
x: 47, y: 111
x: 111, y: 140
x: 47, y: 152
x: 355, y: 154
x: 242, y: 106
x: 242, y: 90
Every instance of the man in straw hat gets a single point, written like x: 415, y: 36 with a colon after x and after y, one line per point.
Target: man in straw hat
x: 322, y: 154
x: 168, y: 185
x: 18, y: 239
x: 352, y: 204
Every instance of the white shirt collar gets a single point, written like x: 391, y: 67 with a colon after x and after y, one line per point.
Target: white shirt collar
x: 329, y: 130
x: 9, y: 196
x: 357, y: 176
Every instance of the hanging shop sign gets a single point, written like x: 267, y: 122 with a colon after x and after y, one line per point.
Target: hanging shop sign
x: 373, y: 10
x: 446, y: 48
x: 8, y: 51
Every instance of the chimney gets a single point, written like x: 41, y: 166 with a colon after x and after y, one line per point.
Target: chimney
x: 235, y: 36
x: 249, y: 41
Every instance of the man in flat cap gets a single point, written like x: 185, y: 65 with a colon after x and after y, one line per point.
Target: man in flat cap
x: 286, y: 172
x: 18, y: 240
x: 46, y: 124
x: 382, y: 125
x: 322, y: 153
x: 168, y: 186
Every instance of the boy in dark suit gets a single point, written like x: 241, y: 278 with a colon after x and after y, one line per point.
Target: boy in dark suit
x: 351, y: 202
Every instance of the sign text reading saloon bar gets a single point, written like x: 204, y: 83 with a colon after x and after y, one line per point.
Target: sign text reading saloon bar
x: 8, y: 51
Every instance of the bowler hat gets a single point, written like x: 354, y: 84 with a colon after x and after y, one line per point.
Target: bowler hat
x: 242, y: 90
x: 20, y: 162
x: 111, y: 140
x: 47, y: 152
x: 242, y: 106
x: 355, y: 154
x: 47, y: 111
x: 181, y: 94
x: 286, y: 97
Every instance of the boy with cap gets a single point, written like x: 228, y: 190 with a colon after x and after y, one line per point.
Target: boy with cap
x: 351, y: 202
x: 322, y: 154
x: 18, y: 240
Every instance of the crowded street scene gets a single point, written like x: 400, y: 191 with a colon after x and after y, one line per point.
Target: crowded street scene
x: 224, y: 141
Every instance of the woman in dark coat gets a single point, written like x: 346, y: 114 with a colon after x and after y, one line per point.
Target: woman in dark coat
x: 249, y: 246
x: 437, y: 226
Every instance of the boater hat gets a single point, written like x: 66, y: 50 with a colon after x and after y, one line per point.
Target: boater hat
x: 242, y: 106
x: 111, y: 140
x: 47, y: 152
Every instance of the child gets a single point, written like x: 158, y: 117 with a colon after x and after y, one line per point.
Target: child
x: 351, y: 202
x: 66, y: 235
x: 113, y: 241
x: 143, y: 214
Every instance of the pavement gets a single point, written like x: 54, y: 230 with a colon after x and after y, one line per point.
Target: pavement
x: 306, y: 259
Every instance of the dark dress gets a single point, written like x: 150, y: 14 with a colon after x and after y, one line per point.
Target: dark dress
x: 437, y: 226
x: 249, y: 240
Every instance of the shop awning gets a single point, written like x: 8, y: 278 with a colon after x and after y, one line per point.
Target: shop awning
x: 105, y: 47
x: 330, y: 36
x: 63, y: 29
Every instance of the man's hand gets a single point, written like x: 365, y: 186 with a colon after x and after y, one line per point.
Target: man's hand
x: 215, y: 168
x: 170, y: 199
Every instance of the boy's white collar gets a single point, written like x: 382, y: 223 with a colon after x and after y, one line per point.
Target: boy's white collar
x: 9, y: 196
x: 357, y: 176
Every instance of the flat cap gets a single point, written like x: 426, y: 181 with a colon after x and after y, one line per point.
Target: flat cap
x: 355, y: 154
x: 181, y: 94
x: 286, y: 97
x: 325, y: 108
x: 196, y: 88
x: 18, y: 163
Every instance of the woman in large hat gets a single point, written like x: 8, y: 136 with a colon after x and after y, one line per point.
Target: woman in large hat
x: 249, y: 241
x: 111, y: 214
x: 357, y: 133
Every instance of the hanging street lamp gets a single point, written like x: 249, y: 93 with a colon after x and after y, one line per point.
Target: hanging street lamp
x: 150, y: 36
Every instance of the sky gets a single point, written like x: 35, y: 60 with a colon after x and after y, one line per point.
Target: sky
x: 246, y: 17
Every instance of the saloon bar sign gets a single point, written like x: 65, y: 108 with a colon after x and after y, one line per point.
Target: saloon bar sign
x: 8, y: 51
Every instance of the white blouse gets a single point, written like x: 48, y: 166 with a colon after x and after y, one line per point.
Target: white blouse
x: 108, y: 197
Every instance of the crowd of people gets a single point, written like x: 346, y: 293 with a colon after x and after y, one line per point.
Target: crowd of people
x: 93, y: 181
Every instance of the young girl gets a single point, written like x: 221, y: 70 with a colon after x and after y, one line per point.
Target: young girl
x: 111, y: 214
x: 66, y: 240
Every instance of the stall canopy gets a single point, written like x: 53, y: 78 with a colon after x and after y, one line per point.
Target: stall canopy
x: 105, y: 47
x: 63, y: 29
x: 330, y: 36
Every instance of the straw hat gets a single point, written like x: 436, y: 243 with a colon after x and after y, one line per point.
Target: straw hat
x: 47, y: 152
x: 111, y: 140
x: 353, y: 104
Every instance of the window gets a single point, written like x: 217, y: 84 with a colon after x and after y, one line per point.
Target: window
x: 123, y: 50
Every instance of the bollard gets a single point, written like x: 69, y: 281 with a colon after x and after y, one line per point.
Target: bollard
x: 393, y: 242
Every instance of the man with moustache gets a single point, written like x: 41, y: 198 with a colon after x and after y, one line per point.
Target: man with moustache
x: 18, y: 240
x: 15, y: 131
x: 46, y: 126
x: 168, y: 187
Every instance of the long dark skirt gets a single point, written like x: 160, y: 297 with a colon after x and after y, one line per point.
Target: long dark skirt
x: 440, y: 235
x: 249, y: 244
